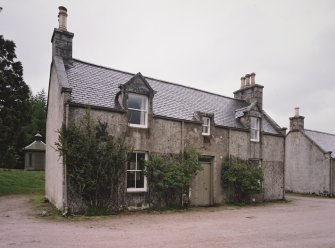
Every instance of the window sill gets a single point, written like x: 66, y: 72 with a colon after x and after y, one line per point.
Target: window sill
x: 206, y: 134
x: 257, y: 141
x: 132, y: 190
x: 137, y: 126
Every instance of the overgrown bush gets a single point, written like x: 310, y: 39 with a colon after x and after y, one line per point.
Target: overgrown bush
x: 241, y: 179
x: 95, y: 164
x: 169, y: 177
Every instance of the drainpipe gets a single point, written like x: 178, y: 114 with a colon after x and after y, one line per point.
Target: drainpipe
x: 182, y: 137
x: 284, y: 168
x: 228, y: 143
x: 64, y: 164
x: 331, y: 175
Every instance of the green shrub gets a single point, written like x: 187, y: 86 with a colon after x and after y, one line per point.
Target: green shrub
x: 169, y: 177
x: 95, y: 164
x: 241, y: 179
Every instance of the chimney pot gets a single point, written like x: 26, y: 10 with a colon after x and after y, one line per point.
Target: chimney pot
x: 247, y: 80
x: 62, y: 18
x: 242, y: 82
x: 253, y: 78
x: 296, y: 111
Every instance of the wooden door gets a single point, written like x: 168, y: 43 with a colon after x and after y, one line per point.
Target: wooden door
x: 201, y: 186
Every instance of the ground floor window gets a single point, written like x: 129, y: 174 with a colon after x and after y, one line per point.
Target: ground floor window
x: 136, y: 180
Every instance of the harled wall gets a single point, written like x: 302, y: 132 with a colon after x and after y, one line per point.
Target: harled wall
x: 174, y: 136
x: 307, y: 167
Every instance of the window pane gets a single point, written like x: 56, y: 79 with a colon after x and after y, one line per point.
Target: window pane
x: 132, y: 162
x: 131, y: 165
x: 134, y: 116
x: 130, y: 179
x: 252, y: 134
x: 142, y: 118
x: 140, y: 161
x: 137, y: 101
x: 253, y: 123
x: 205, y: 129
x: 139, y: 180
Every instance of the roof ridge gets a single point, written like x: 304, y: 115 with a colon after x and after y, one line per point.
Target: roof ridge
x: 159, y: 80
x: 319, y: 132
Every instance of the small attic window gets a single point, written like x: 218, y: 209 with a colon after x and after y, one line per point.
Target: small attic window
x: 254, y: 129
x: 206, y: 126
x: 137, y: 110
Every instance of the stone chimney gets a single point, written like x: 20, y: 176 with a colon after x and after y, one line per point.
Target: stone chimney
x: 297, y: 121
x: 250, y: 91
x: 62, y: 39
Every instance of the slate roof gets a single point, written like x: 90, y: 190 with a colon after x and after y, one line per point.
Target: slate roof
x: 326, y: 141
x: 97, y: 86
x: 35, y: 146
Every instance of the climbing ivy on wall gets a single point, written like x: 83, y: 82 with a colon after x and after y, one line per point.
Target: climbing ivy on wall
x: 240, y: 179
x: 169, y: 177
x: 95, y: 164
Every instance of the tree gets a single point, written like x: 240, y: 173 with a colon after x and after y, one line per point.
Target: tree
x: 38, y: 115
x: 14, y: 106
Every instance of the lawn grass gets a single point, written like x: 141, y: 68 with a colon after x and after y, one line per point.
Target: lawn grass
x: 21, y: 182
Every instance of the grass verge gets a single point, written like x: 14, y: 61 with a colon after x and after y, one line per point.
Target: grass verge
x: 21, y: 182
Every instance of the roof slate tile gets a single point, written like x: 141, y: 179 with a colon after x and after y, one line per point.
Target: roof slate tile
x: 98, y: 86
x: 325, y: 140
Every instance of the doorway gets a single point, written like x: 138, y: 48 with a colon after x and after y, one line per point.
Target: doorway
x: 202, y: 185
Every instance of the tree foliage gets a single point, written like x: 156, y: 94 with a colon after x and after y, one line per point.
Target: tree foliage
x: 241, y: 178
x: 38, y: 114
x: 170, y: 176
x: 14, y: 106
x: 95, y: 164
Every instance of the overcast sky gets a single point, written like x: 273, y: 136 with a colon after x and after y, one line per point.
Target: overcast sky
x: 208, y: 44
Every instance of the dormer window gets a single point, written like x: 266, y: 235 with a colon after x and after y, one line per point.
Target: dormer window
x: 254, y: 129
x: 206, y: 126
x: 137, y: 110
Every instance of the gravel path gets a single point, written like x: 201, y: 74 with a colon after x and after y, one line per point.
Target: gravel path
x: 307, y: 222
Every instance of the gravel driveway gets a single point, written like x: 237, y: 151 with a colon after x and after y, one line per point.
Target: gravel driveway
x: 304, y: 222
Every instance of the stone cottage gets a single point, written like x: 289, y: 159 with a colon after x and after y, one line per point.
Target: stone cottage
x: 34, y: 154
x: 161, y: 117
x: 310, y: 159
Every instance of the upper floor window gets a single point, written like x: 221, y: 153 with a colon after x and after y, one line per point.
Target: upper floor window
x: 254, y: 128
x: 206, y: 126
x: 136, y: 180
x: 137, y: 110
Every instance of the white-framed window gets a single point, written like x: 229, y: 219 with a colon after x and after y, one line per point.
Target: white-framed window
x: 254, y: 128
x: 206, y: 126
x: 137, y: 110
x: 136, y: 180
